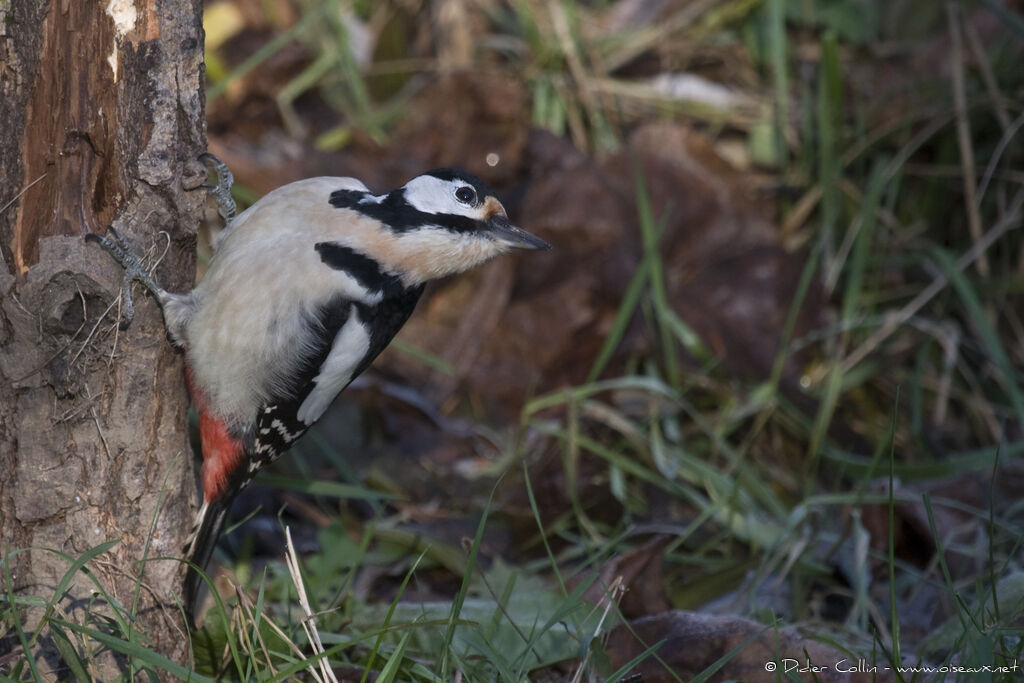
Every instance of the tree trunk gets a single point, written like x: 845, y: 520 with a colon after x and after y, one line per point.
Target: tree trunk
x: 101, y: 124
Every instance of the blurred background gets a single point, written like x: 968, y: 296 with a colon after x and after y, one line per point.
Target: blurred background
x: 771, y: 370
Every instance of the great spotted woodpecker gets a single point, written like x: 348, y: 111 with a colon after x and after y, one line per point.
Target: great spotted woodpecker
x: 304, y: 289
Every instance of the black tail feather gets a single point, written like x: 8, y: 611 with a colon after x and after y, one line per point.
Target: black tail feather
x: 209, y: 522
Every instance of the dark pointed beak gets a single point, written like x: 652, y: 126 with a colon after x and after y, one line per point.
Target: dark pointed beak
x: 503, y: 230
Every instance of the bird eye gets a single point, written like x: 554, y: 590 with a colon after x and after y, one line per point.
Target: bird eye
x: 466, y: 194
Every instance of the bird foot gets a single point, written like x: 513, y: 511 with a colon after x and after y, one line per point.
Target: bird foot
x: 221, y: 190
x: 134, y: 271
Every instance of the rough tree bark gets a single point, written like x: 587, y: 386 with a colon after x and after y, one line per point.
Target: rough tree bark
x: 101, y: 123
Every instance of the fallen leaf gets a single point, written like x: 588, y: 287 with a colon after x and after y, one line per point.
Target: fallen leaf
x: 692, y: 642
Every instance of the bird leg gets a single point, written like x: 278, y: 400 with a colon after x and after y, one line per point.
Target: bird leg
x: 221, y: 191
x: 134, y: 271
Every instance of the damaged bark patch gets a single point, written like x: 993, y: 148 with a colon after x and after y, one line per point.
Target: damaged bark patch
x: 70, y: 133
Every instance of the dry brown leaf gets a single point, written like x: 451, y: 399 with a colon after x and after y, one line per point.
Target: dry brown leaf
x: 693, y: 642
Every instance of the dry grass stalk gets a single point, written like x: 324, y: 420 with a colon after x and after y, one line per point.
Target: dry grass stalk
x: 963, y: 135
x: 308, y: 621
x: 898, y: 318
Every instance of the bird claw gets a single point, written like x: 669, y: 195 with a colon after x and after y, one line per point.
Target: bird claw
x: 221, y: 191
x: 134, y: 270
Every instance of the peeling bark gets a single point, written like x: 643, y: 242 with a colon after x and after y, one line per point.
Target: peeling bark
x: 101, y: 124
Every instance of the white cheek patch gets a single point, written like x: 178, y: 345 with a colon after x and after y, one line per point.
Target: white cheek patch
x: 348, y: 350
x: 433, y: 195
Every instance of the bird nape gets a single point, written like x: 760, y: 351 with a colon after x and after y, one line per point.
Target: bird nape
x: 305, y: 288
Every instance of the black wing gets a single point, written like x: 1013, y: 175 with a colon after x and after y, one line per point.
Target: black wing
x: 277, y: 425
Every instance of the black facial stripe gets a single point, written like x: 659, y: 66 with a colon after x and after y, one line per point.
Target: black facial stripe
x: 455, y: 223
x: 397, y: 214
x: 365, y: 270
x: 346, y: 199
x: 385, y: 319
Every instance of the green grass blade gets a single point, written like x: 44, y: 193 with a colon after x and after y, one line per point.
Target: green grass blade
x: 802, y: 287
x: 390, y: 670
x: 319, y: 487
x: 136, y: 651
x: 830, y: 107
x: 387, y: 622
x: 627, y: 308
x: 628, y: 666
x: 867, y: 219
x: 1007, y: 376
x: 963, y: 613
x: 1006, y: 15
x: 707, y: 673
x: 18, y: 628
x: 76, y: 565
x: 969, y: 461
x: 460, y: 597
x: 777, y: 41
x: 894, y: 616
x: 69, y: 654
x: 822, y: 420
x: 650, y: 232
x: 639, y: 383
x: 540, y: 529
x: 267, y: 51
x: 431, y: 360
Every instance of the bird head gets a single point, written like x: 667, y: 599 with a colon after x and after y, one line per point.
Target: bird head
x: 439, y: 223
x: 462, y: 203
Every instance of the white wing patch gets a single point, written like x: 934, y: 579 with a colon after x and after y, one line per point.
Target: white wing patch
x: 349, y: 348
